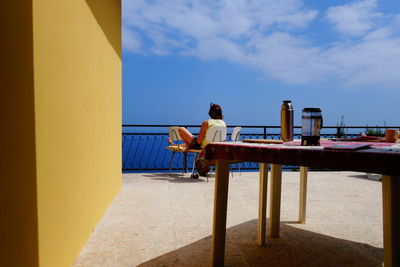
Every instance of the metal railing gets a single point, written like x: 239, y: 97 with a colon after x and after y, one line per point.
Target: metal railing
x: 144, y: 146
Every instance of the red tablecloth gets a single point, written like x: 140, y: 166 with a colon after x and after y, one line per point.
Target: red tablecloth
x: 377, y: 159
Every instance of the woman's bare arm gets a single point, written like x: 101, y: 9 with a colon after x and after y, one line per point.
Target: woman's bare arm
x: 202, y: 133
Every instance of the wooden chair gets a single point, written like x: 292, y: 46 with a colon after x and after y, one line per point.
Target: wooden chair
x: 235, y: 136
x: 173, y: 133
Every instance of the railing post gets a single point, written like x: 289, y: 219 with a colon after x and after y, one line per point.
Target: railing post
x: 265, y: 132
x: 185, y: 167
x: 338, y: 133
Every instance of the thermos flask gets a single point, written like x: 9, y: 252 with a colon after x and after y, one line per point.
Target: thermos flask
x: 311, y: 124
x: 287, y: 121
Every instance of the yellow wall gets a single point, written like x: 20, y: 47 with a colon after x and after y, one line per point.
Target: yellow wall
x: 78, y: 120
x: 60, y: 108
x: 18, y: 220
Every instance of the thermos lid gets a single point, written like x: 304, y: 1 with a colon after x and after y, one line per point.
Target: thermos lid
x: 311, y: 110
x: 287, y: 105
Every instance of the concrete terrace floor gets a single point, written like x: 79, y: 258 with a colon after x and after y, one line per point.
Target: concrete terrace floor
x: 158, y: 220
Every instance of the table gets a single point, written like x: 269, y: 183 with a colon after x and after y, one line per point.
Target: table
x: 380, y: 158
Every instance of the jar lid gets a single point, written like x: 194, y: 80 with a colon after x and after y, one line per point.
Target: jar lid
x: 311, y: 110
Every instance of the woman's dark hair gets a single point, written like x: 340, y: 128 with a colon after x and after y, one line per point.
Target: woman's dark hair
x: 215, y: 112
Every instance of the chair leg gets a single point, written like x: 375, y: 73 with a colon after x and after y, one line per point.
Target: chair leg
x: 194, y: 173
x: 211, y: 170
x: 184, y: 163
x: 194, y: 161
x: 238, y: 167
x: 170, y: 163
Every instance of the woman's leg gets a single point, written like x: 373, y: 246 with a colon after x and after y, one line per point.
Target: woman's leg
x: 187, y: 136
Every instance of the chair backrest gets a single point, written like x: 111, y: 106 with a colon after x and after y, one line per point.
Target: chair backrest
x: 216, y: 133
x: 173, y: 132
x: 236, y: 134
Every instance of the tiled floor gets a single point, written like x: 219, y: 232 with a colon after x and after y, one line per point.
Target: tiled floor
x: 158, y: 220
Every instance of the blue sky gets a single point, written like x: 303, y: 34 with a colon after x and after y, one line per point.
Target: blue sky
x: 249, y: 56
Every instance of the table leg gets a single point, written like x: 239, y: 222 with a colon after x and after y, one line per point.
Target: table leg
x: 303, y: 194
x: 262, y: 204
x: 220, y: 207
x: 275, y: 200
x: 391, y: 220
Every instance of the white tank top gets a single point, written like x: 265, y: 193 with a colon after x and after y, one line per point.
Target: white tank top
x: 211, y: 122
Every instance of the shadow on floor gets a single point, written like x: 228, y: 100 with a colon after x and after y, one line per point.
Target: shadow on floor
x: 174, y: 177
x: 295, y: 247
x: 370, y: 177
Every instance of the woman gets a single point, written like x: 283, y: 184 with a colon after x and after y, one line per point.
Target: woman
x: 200, y: 142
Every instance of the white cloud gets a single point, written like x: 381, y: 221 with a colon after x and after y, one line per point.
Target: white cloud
x: 204, y: 19
x: 218, y: 48
x: 271, y: 36
x: 130, y: 40
x: 373, y: 62
x: 354, y: 19
x: 378, y: 34
x: 288, y: 58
